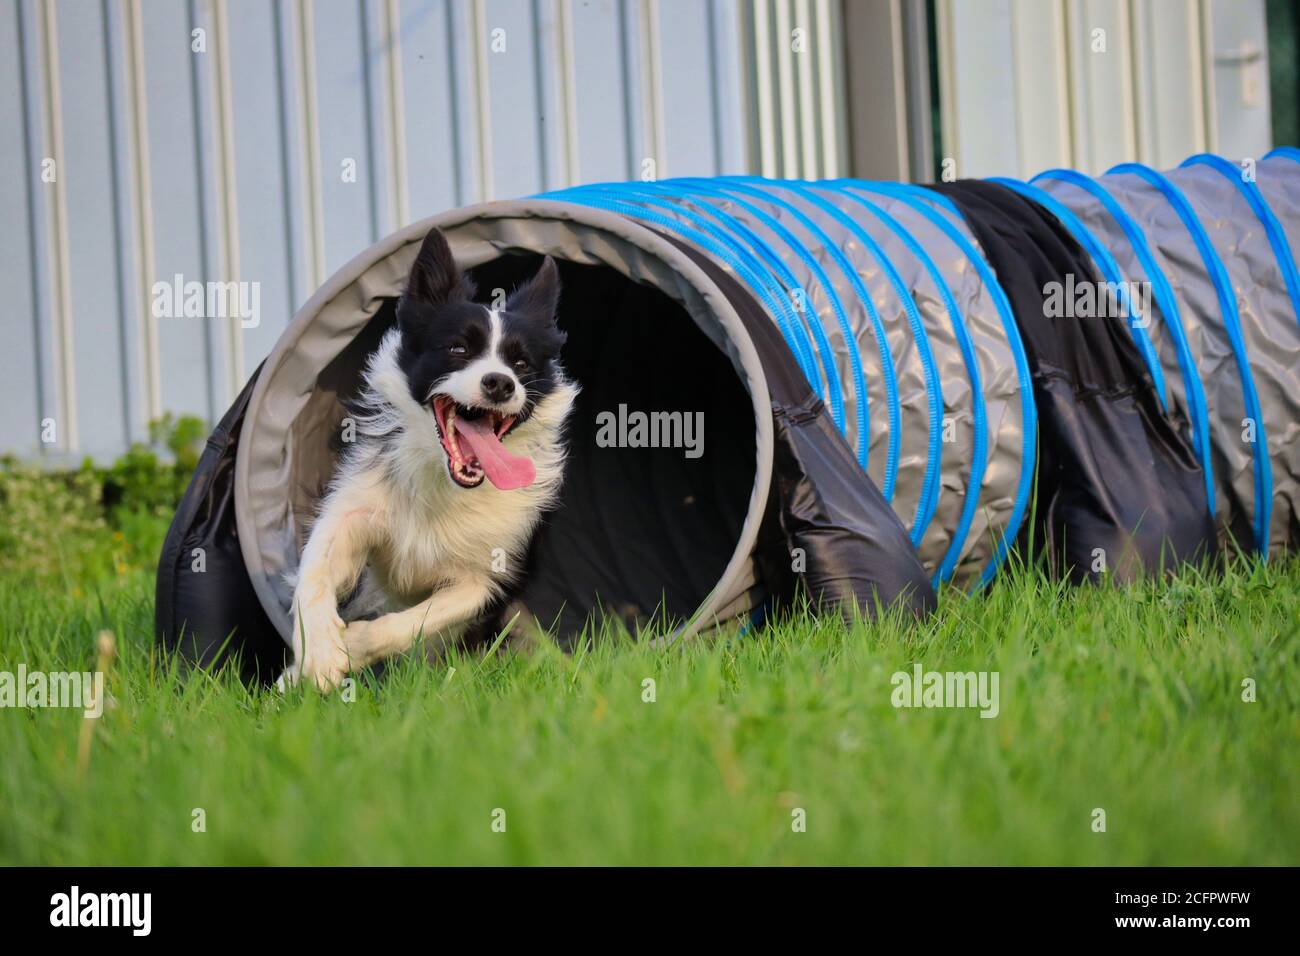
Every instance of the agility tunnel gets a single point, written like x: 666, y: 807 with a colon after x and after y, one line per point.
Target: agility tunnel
x: 898, y: 385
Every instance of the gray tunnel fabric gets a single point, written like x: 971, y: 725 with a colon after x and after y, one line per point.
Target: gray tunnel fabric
x: 901, y: 324
x: 875, y: 265
x: 1257, y: 379
x: 892, y: 314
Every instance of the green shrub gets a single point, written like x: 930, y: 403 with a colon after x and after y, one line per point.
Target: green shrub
x: 47, y: 516
x: 93, y: 522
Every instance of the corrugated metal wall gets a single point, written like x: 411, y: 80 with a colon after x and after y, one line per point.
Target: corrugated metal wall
x: 272, y: 141
x: 1026, y: 85
x: 269, y: 141
x: 796, y: 87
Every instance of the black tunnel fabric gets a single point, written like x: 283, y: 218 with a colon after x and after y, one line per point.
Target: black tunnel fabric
x: 205, y: 608
x: 823, y: 509
x: 1119, y: 488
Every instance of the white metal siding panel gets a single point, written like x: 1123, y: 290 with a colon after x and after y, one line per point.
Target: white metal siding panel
x: 978, y: 91
x: 1101, y: 74
x: 227, y: 164
x: 1042, y: 82
x: 20, y: 361
x: 1239, y: 58
x: 1170, y: 81
x: 1092, y: 83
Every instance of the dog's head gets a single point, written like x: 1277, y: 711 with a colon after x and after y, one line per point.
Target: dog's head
x: 479, y: 371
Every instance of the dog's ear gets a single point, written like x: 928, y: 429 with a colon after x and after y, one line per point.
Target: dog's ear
x: 434, y: 276
x: 539, y: 297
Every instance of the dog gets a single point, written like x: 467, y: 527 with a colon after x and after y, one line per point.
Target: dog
x: 459, y: 451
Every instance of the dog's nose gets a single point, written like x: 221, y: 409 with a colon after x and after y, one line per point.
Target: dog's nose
x: 497, y: 387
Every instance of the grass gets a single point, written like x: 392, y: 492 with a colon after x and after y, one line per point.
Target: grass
x: 1124, y: 700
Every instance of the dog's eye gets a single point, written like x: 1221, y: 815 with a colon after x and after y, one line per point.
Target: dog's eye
x: 457, y: 349
x: 521, y: 364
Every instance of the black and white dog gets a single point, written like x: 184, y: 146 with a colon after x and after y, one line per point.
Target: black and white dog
x: 457, y: 392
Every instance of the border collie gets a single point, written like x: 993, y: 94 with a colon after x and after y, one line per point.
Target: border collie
x: 459, y: 451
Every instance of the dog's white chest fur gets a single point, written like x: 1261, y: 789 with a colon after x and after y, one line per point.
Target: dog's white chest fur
x: 446, y: 531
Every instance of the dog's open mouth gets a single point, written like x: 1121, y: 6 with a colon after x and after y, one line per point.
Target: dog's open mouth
x: 471, y: 437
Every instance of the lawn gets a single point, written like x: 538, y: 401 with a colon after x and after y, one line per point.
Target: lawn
x: 777, y: 747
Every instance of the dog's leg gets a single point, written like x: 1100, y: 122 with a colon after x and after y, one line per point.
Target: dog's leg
x: 334, y: 557
x: 457, y: 602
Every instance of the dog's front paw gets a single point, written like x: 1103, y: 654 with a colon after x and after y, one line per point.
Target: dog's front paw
x: 361, y: 641
x: 321, y: 654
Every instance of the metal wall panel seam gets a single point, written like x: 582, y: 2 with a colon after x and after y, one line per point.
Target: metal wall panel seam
x: 401, y: 196
x: 461, y: 160
x: 809, y: 114
x: 1077, y: 38
x: 46, y: 396
x: 1017, y: 83
x: 1075, y: 152
x: 789, y: 145
x: 138, y: 159
x: 482, y: 100
x: 1145, y: 146
x: 631, y: 133
x: 951, y: 139
x: 651, y: 92
x: 830, y: 95
x: 369, y: 95
x: 1206, y: 59
x: 715, y: 84
x: 292, y: 190
x: 60, y: 265
x: 760, y: 51
x: 200, y: 96
x: 540, y: 57
x: 1064, y: 101
x: 1127, y: 79
x: 568, y: 93
x: 309, y: 139
x: 131, y: 384
x: 227, y: 187
x: 1197, y: 79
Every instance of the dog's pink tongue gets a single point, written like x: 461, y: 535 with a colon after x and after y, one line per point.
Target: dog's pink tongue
x: 503, y: 469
